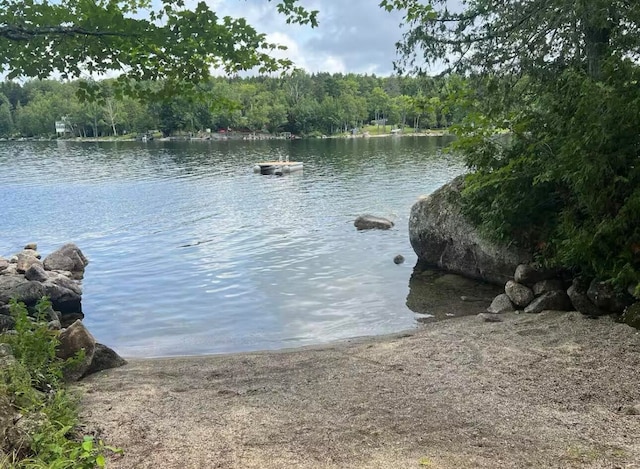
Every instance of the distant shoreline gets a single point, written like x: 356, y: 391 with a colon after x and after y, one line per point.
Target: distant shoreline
x: 238, y: 136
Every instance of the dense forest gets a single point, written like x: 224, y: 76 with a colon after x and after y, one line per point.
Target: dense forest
x: 300, y: 103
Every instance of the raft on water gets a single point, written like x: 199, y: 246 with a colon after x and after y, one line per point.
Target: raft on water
x: 277, y: 167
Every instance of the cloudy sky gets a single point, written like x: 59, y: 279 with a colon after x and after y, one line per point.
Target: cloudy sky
x: 354, y: 35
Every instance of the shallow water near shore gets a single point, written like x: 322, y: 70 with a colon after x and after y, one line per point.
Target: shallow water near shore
x: 192, y: 253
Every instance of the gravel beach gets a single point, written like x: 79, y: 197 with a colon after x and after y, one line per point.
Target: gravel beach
x: 553, y: 390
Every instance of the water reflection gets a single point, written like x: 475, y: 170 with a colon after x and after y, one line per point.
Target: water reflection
x: 437, y: 295
x: 192, y: 253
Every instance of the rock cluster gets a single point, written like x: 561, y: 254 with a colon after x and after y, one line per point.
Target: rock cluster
x: 534, y: 290
x: 26, y: 277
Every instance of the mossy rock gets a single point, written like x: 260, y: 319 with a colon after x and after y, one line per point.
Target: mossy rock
x: 631, y: 316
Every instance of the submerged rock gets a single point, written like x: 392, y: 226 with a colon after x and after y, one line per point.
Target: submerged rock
x: 399, y: 259
x: 370, y: 222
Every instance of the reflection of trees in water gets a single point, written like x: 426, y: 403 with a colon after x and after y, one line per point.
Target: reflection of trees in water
x: 442, y: 295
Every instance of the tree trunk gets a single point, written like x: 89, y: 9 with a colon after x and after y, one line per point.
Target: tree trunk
x: 597, y: 24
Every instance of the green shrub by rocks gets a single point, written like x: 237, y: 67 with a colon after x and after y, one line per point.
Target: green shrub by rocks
x: 38, y: 416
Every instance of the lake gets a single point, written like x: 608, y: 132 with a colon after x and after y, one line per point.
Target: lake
x: 192, y: 253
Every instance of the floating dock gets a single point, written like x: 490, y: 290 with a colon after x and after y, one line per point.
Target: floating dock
x: 277, y: 167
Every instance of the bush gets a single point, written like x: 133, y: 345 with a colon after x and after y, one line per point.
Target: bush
x: 566, y: 184
x: 32, y: 384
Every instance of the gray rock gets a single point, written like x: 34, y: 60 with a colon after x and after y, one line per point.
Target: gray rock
x: 16, y: 286
x: 631, y: 315
x: 488, y: 317
x: 4, y: 263
x: 442, y: 237
x: 54, y: 325
x: 25, y: 427
x: 581, y: 301
x: 501, y: 304
x: 26, y: 259
x: 529, y: 275
x: 103, y: 359
x: 36, y: 273
x: 604, y: 296
x: 6, y: 322
x: 519, y: 295
x: 69, y: 318
x: 66, y: 282
x: 31, y: 246
x: 8, y: 283
x: 370, y: 222
x: 553, y: 300
x: 399, y: 259
x: 68, y: 257
x: 544, y: 286
x: 73, y: 339
x: 63, y: 299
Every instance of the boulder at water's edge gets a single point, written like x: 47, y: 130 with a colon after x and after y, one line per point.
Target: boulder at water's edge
x: 442, y: 237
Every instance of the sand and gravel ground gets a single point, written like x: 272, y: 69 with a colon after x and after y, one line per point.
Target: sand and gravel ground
x: 555, y: 390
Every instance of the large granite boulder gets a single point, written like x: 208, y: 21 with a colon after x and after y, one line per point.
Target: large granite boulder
x: 442, y: 237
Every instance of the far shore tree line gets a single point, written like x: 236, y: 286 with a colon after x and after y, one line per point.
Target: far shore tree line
x: 299, y: 103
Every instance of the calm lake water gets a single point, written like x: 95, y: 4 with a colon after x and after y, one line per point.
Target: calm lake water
x: 192, y: 253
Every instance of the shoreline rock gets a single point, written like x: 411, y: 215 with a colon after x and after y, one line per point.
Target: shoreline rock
x: 26, y: 278
x: 442, y: 237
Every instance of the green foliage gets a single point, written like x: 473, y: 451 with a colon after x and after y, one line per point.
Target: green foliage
x: 34, y: 345
x: 33, y: 384
x: 551, y: 118
x: 299, y: 103
x: 139, y: 39
x: 566, y: 181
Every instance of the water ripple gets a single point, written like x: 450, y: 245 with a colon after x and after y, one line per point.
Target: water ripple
x: 192, y: 253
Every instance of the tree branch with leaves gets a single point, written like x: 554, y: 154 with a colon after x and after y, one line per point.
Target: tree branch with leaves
x: 131, y: 38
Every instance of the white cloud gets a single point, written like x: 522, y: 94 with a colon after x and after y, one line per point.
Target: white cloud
x: 353, y: 36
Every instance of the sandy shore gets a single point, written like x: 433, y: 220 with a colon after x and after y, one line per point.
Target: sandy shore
x: 554, y: 390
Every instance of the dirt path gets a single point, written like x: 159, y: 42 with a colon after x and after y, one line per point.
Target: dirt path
x: 552, y: 390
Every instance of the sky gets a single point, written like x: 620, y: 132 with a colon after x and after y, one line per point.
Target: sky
x: 354, y: 36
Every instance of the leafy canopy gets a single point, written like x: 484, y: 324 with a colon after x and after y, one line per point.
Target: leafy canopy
x: 139, y: 39
x: 562, y: 79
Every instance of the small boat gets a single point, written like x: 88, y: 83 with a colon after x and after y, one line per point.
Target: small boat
x: 278, y: 168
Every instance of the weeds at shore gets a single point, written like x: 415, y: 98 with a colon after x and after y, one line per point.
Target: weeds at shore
x: 44, y: 428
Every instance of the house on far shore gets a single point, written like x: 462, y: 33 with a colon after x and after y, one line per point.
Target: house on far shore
x: 63, y: 127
